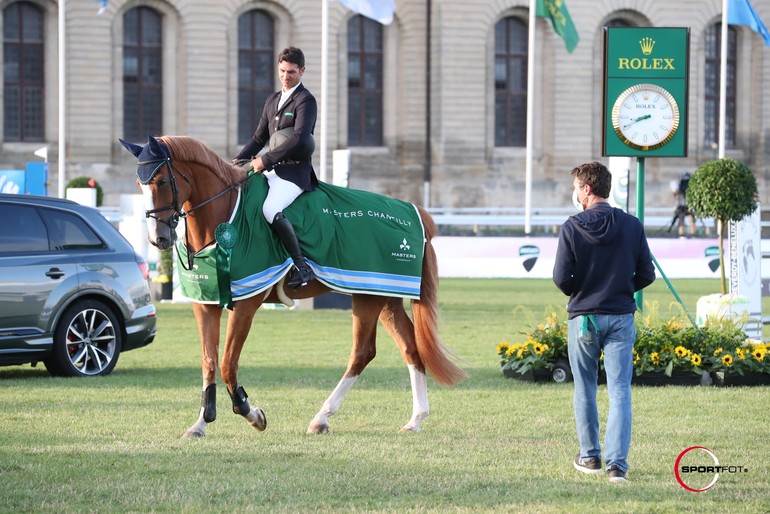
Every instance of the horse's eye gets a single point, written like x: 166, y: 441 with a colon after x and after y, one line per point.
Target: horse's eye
x: 162, y: 181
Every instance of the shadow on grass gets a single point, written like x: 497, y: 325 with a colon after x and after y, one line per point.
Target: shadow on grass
x: 300, y: 377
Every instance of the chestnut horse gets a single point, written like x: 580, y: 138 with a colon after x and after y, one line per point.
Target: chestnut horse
x: 181, y: 177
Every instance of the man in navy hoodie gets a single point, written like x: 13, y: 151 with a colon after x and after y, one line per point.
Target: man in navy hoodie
x: 601, y: 261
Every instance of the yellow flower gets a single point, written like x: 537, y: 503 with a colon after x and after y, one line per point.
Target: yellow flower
x: 727, y: 359
x: 717, y: 351
x: 695, y: 359
x: 510, y: 351
x: 655, y: 358
x: 759, y: 354
x: 538, y: 348
x: 503, y: 347
x: 681, y: 351
x: 520, y: 352
x: 740, y: 353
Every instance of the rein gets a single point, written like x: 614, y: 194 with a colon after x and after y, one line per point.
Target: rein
x: 173, y: 220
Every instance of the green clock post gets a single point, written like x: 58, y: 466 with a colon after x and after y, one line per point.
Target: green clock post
x: 646, y: 74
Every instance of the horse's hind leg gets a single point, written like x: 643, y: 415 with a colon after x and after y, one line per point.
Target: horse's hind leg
x: 401, y: 329
x: 365, y: 312
x: 208, y: 318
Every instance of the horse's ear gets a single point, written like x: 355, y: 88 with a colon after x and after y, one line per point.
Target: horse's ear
x: 156, y: 147
x: 131, y: 147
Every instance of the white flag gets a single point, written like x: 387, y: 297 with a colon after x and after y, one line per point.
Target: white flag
x: 377, y: 10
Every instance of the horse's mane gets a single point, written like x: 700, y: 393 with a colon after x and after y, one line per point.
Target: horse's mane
x: 190, y: 150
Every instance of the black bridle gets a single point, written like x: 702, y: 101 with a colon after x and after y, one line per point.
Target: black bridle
x: 177, y: 210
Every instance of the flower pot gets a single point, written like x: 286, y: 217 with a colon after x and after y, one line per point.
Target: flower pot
x: 533, y: 375
x: 161, y: 291
x: 678, y: 378
x: 749, y: 378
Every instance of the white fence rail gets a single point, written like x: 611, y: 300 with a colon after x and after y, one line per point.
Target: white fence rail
x: 549, y: 218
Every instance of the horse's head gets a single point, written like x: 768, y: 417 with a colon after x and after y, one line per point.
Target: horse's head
x: 163, y: 198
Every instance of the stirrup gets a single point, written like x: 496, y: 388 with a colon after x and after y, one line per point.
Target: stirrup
x: 300, y: 276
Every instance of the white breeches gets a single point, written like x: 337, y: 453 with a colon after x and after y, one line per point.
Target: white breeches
x: 280, y: 194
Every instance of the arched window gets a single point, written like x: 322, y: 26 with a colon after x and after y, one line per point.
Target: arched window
x: 511, y: 82
x: 23, y: 77
x: 142, y: 73
x: 618, y: 23
x: 711, y: 105
x: 256, y: 69
x: 365, y: 79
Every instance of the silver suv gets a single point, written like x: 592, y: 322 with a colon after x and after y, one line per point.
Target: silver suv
x: 73, y: 292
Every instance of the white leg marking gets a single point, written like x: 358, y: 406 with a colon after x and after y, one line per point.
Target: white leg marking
x: 420, y: 408
x: 152, y: 227
x: 198, y: 429
x: 331, y: 405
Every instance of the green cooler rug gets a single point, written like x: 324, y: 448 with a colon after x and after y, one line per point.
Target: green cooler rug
x: 355, y: 241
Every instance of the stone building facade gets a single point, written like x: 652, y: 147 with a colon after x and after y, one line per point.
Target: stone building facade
x: 448, y: 56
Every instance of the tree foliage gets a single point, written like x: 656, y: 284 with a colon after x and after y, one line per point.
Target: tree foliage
x: 726, y: 190
x: 88, y: 182
x: 723, y: 189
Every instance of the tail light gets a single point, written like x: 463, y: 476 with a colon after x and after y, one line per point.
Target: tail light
x: 143, y: 266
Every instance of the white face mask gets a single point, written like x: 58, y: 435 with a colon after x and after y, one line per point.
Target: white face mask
x: 575, y: 202
x: 580, y: 205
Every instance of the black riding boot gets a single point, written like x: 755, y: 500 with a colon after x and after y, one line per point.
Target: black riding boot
x: 285, y: 232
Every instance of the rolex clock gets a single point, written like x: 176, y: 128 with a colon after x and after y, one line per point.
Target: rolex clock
x: 645, y: 116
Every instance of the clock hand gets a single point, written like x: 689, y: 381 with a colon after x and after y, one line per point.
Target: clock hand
x: 640, y: 118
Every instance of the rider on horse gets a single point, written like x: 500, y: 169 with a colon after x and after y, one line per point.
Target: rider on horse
x: 287, y: 165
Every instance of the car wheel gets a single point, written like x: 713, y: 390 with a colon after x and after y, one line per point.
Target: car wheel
x: 87, y: 341
x: 561, y: 372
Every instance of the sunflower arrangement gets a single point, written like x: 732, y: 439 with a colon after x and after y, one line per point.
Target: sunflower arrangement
x: 545, y: 344
x: 666, y: 347
x: 662, y: 346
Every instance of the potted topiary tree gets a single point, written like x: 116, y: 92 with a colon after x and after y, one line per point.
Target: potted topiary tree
x: 162, y: 284
x: 85, y: 183
x: 726, y: 190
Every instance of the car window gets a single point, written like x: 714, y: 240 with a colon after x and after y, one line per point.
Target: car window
x: 69, y: 232
x: 22, y: 230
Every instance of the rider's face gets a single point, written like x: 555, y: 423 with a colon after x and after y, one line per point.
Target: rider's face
x: 290, y: 74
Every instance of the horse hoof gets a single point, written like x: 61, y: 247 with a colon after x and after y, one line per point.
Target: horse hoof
x: 318, y: 429
x: 192, y: 434
x: 257, y: 419
x: 409, y: 428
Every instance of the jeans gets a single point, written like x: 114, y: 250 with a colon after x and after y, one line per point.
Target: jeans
x: 613, y: 334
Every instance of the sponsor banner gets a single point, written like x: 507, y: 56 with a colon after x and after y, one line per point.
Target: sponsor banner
x: 527, y: 257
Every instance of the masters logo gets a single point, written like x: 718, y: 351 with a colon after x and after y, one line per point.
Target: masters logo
x: 404, y: 254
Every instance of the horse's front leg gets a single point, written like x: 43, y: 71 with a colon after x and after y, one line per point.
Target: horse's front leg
x: 208, y: 318
x: 238, y: 325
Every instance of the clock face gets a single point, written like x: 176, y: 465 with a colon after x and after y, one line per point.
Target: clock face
x: 645, y: 116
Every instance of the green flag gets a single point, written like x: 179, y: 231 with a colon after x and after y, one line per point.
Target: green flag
x: 557, y: 11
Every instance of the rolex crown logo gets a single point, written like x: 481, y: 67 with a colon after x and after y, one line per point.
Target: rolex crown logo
x: 647, y: 44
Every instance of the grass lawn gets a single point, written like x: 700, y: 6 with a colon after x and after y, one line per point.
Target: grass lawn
x: 491, y: 444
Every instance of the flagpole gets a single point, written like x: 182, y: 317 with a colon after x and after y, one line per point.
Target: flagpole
x: 723, y: 80
x: 62, y: 99
x: 324, y: 82
x: 530, y: 117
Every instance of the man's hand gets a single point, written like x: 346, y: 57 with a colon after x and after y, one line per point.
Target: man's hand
x: 256, y: 163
